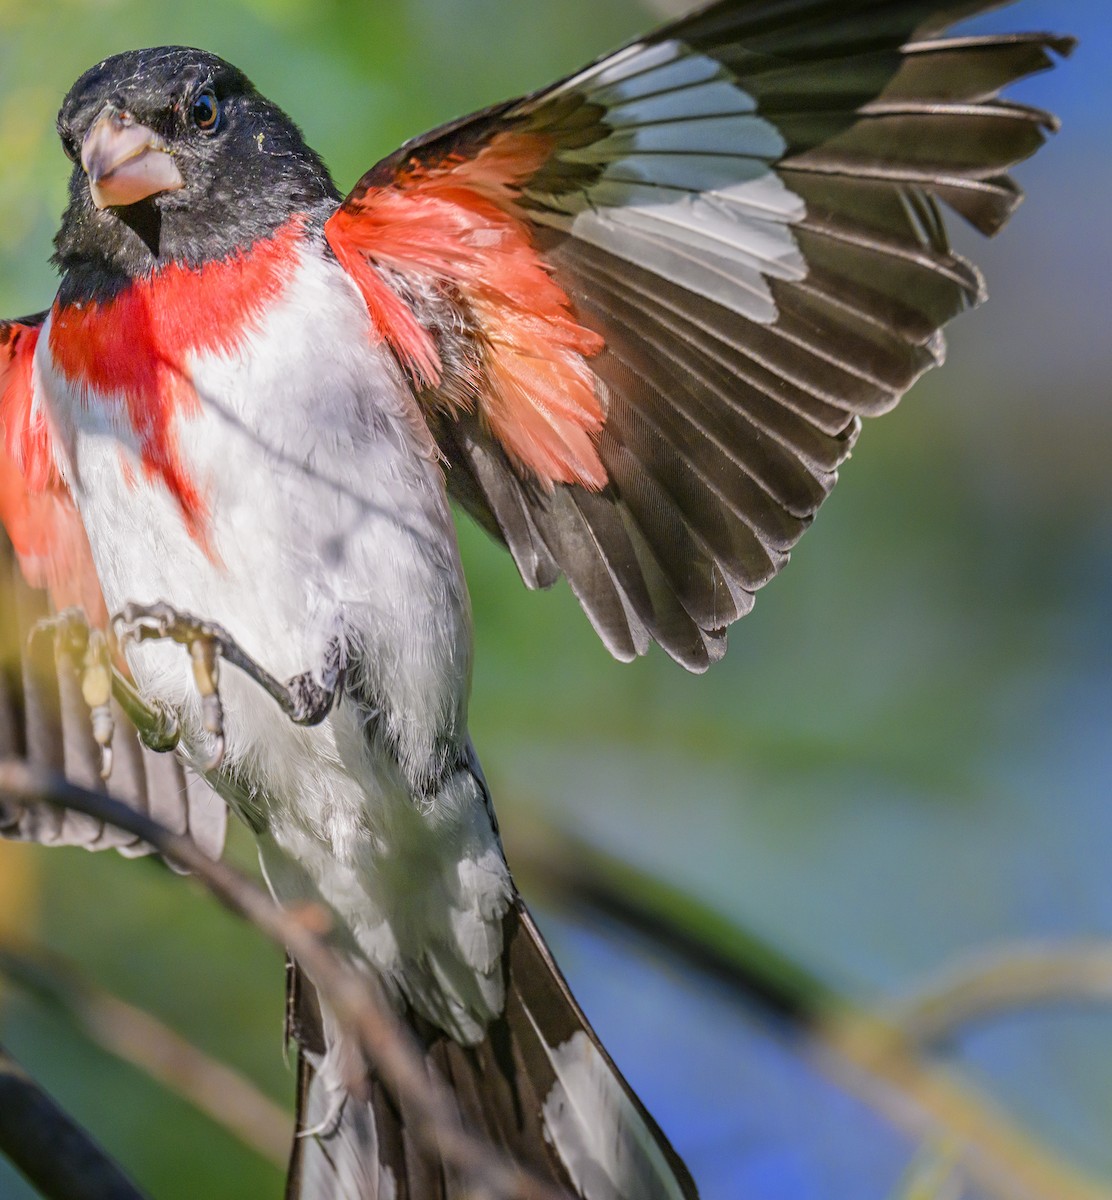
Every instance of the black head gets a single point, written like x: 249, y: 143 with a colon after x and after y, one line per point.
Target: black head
x: 186, y: 161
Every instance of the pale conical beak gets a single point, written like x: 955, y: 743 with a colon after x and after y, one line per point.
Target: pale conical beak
x: 126, y: 162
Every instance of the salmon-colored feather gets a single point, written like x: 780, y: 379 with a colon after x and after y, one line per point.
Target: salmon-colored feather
x: 457, y: 223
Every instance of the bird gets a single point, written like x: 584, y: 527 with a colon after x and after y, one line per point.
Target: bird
x: 629, y: 323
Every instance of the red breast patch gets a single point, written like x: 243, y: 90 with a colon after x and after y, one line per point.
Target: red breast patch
x: 133, y: 352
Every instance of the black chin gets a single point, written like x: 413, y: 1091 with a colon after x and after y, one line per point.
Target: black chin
x: 145, y: 219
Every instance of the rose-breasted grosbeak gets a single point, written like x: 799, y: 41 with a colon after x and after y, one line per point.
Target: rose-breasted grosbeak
x: 630, y: 323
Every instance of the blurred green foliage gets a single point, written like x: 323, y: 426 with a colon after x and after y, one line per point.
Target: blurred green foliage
x: 905, y: 754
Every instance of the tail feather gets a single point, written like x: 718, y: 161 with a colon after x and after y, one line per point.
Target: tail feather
x: 351, y: 1162
x: 539, y: 1087
x: 605, y: 1137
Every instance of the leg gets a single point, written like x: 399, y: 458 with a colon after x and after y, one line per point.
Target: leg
x: 87, y: 648
x: 302, y: 698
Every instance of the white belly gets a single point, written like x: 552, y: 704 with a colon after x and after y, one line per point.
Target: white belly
x: 328, y: 519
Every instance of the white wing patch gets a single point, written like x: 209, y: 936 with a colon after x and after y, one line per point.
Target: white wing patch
x: 686, y: 188
x: 603, y: 1141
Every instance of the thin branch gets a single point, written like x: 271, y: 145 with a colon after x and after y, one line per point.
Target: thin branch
x: 865, y: 1053
x: 55, y: 1154
x: 933, y: 1175
x: 1002, y: 979
x: 130, y: 1034
x: 357, y: 1000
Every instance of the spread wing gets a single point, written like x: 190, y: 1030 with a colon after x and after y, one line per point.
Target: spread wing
x: 645, y: 308
x: 45, y: 565
x: 35, y: 507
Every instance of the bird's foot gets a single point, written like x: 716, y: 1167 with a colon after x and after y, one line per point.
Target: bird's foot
x: 304, y: 700
x: 87, y: 649
x: 207, y: 643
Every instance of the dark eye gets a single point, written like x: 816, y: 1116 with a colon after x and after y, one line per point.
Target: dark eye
x: 206, y: 112
x: 68, y: 144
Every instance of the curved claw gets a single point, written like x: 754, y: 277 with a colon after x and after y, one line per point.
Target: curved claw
x: 212, y: 719
x: 206, y: 641
x: 69, y: 628
x: 163, y: 732
x: 96, y: 688
x: 206, y: 675
x: 138, y: 622
x: 216, y: 760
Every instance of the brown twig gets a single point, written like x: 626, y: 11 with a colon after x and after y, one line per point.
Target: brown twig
x: 357, y: 1000
x: 130, y: 1034
x: 1022, y: 975
x: 55, y: 1154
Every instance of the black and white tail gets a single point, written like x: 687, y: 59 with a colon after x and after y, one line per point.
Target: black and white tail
x: 540, y: 1087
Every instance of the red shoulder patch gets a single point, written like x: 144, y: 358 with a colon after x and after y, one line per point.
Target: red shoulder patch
x: 36, y: 509
x: 457, y: 222
x: 133, y: 351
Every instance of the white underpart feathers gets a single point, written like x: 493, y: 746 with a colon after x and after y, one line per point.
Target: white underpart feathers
x: 328, y: 518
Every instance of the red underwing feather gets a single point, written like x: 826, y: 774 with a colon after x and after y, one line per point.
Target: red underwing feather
x: 456, y: 223
x: 133, y: 352
x: 35, y: 507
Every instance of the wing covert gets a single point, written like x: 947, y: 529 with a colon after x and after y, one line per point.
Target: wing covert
x: 741, y: 248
